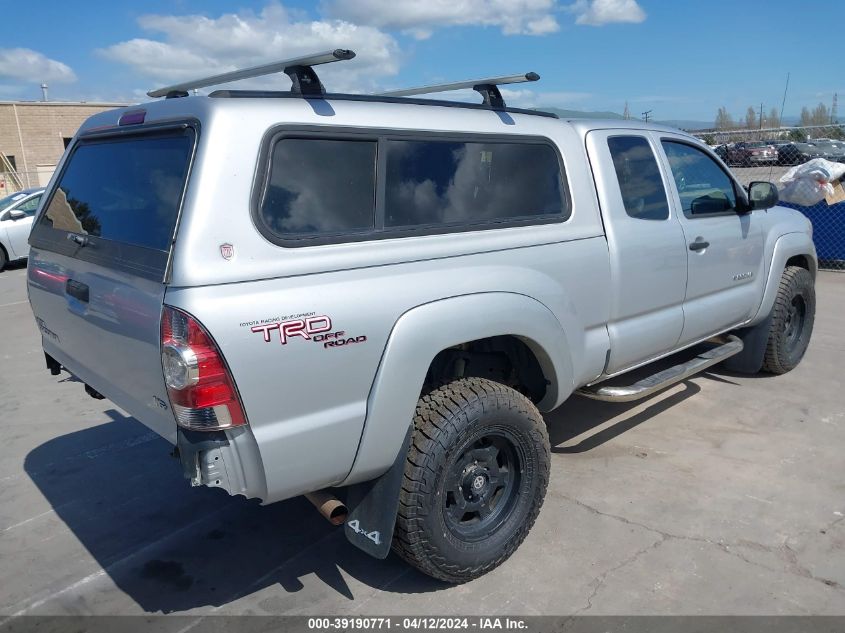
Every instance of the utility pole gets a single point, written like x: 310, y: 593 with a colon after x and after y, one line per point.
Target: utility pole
x: 834, y: 115
x: 646, y: 115
x: 627, y: 113
x: 761, y: 116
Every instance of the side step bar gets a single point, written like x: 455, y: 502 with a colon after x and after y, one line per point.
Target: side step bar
x: 666, y: 378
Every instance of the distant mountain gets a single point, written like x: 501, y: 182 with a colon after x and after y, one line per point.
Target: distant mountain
x: 579, y: 114
x: 683, y: 124
x: 686, y: 124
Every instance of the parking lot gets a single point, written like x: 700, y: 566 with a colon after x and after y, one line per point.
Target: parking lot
x: 767, y: 173
x: 723, y: 495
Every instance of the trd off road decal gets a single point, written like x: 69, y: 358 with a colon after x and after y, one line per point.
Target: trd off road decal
x: 317, y: 329
x: 285, y: 330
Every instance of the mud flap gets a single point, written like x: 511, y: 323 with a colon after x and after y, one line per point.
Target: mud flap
x: 754, y: 339
x: 373, y: 506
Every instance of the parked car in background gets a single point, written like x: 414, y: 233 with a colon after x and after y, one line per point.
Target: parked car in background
x: 795, y: 153
x: 830, y: 149
x: 721, y: 151
x: 745, y: 154
x: 16, y: 213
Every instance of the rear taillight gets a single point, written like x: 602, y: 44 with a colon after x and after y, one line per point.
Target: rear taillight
x: 202, y: 392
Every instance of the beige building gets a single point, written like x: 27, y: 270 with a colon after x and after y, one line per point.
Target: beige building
x: 33, y: 136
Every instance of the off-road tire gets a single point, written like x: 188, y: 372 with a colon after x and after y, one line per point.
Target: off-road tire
x: 788, y: 339
x: 449, y: 422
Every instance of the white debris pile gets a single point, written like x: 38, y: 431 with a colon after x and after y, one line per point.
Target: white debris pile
x: 810, y: 183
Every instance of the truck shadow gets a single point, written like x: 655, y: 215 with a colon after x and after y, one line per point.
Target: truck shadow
x: 171, y: 548
x: 578, y: 416
x: 16, y: 265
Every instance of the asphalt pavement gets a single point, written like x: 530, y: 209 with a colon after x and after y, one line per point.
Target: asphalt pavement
x: 723, y: 495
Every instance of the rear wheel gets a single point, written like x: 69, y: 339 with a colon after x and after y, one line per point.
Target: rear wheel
x: 792, y: 321
x: 3, y: 258
x: 474, y: 481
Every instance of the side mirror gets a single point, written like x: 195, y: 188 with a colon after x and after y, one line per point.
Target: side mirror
x: 762, y: 195
x: 14, y: 214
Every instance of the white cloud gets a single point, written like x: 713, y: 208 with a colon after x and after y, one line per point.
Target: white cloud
x: 662, y: 99
x: 523, y: 98
x: 529, y: 17
x: 25, y: 64
x: 601, y: 12
x: 195, y: 45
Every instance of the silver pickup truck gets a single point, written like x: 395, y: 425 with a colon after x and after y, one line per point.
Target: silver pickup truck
x: 370, y: 299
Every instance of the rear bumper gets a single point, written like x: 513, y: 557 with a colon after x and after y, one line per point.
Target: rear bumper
x: 222, y: 459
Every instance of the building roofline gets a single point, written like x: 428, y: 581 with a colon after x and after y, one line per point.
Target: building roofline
x: 112, y: 104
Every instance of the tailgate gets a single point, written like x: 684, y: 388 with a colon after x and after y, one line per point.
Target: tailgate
x: 100, y: 251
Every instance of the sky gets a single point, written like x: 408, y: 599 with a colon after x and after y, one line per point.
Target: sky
x: 681, y: 59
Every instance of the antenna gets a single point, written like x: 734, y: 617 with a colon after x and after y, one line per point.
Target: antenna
x: 299, y: 69
x: 487, y: 88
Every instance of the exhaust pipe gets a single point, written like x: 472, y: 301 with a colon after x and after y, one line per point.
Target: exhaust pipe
x: 332, y: 508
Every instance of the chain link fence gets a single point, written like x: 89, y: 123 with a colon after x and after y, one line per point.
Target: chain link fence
x: 768, y: 154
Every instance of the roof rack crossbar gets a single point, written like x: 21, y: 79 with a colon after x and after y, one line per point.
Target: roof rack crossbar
x: 299, y: 69
x: 487, y: 88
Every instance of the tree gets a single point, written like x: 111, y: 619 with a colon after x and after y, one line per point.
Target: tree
x: 821, y: 115
x: 750, y: 118
x: 774, y: 118
x: 724, y: 121
x: 710, y: 139
x: 806, y: 117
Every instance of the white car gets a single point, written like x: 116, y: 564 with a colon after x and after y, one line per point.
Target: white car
x: 16, y: 213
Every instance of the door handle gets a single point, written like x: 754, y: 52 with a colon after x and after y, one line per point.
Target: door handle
x: 77, y: 290
x: 698, y: 245
x: 79, y: 240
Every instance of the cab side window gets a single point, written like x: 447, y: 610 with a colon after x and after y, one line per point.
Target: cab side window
x: 640, y: 182
x: 703, y: 186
